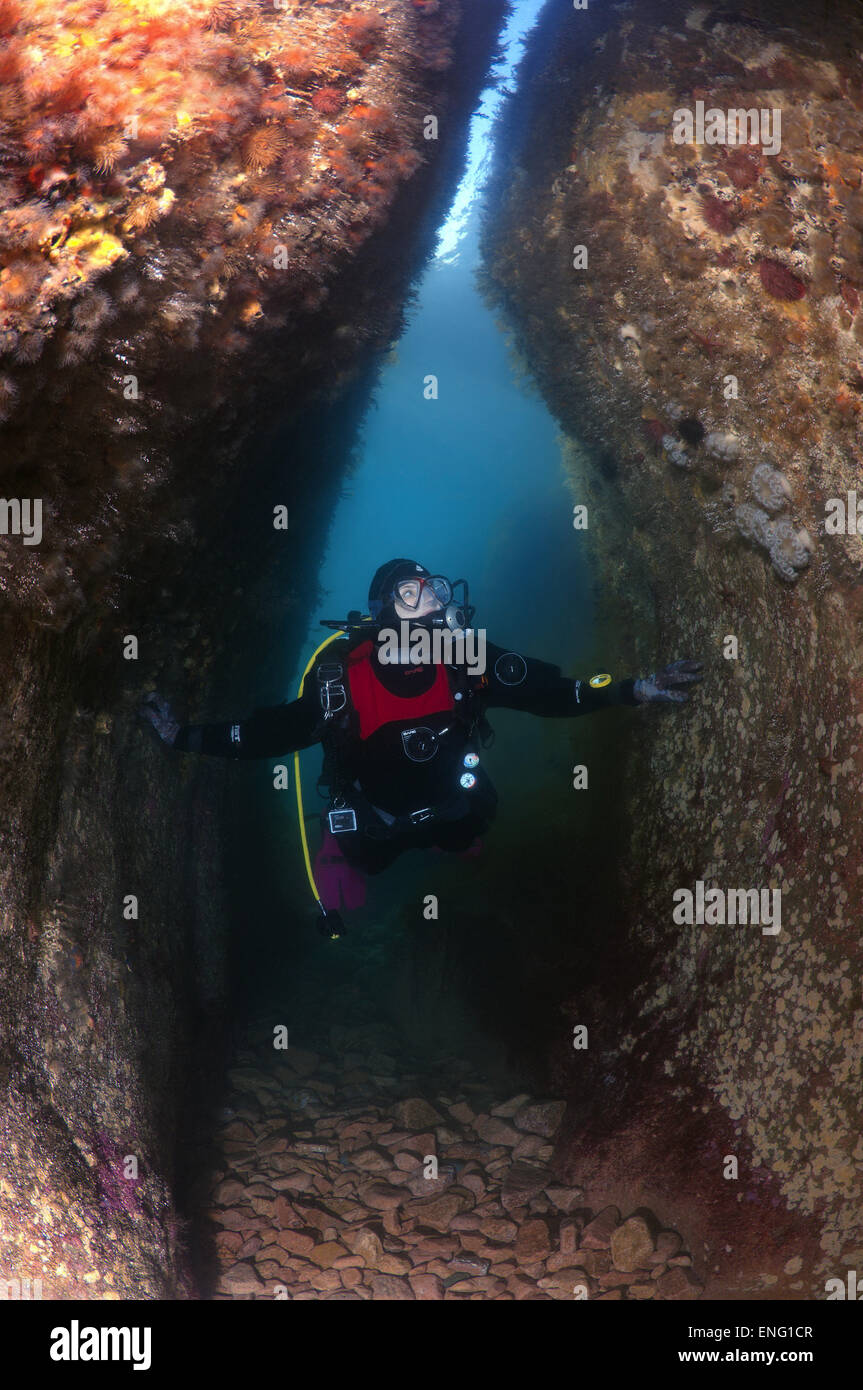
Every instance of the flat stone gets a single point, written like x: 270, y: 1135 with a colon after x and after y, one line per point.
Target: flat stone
x: 522, y: 1181
x: 539, y: 1206
x: 382, y: 1196
x: 297, y: 1242
x: 261, y: 1206
x: 227, y: 1193
x: 462, y: 1113
x: 561, y: 1258
x: 542, y: 1117
x: 615, y: 1279
x: 355, y: 1129
x: 433, y: 1248
x: 237, y: 1219
x: 642, y: 1291
x: 612, y: 1296
x: 416, y: 1113
x: 371, y: 1161
x: 312, y: 1216
x: 229, y: 1242
x: 486, y: 1283
x: 394, y: 1139
x: 597, y: 1233
x: 293, y: 1179
x: 343, y: 1208
x: 495, y: 1131
x: 394, y: 1225
x: 529, y: 1146
x: 366, y: 1244
x: 438, y: 1212
x: 326, y: 1254
x: 498, y: 1228
x: 595, y: 1261
x: 678, y: 1284
x: 521, y: 1287
x: 389, y: 1287
x: 468, y: 1264
x: 421, y: 1186
x: 241, y: 1278
x: 533, y: 1241
x: 568, y: 1241
x: 423, y: 1145
x: 565, y: 1199
x: 475, y: 1183
x: 446, y: 1135
x: 407, y: 1162
x: 427, y: 1286
x: 631, y: 1244
x: 275, y: 1145
x: 469, y: 1221
x: 260, y: 1189
x: 567, y: 1278
x: 270, y: 1252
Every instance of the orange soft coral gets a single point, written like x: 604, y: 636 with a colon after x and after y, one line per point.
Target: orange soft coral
x: 216, y: 117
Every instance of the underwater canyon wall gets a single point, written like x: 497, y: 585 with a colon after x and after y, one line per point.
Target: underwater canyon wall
x: 211, y: 215
x: 691, y: 309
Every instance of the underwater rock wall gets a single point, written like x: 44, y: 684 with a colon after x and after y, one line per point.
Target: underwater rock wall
x: 704, y: 353
x: 154, y: 340
x: 180, y: 182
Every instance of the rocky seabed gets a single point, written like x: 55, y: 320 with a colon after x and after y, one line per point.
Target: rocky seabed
x: 326, y: 1190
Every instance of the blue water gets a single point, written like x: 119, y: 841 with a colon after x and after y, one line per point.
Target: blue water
x: 471, y: 484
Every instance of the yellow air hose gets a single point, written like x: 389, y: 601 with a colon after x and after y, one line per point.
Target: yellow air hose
x: 305, y: 843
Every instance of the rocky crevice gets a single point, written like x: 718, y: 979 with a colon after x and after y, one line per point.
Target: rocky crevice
x: 337, y: 1179
x: 709, y: 265
x: 158, y: 524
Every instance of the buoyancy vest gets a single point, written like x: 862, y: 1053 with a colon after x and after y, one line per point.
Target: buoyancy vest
x: 376, y: 705
x: 356, y: 705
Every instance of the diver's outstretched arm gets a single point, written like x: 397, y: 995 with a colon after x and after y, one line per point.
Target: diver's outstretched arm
x: 513, y: 681
x: 266, y: 733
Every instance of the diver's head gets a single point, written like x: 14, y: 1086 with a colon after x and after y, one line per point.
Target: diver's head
x: 400, y: 589
x: 403, y: 590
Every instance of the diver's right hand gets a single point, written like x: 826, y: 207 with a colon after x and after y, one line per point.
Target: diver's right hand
x: 157, y: 711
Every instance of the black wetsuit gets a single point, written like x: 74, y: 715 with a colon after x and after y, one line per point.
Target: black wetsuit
x: 393, y: 780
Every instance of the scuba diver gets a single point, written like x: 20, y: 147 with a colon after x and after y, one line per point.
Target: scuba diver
x: 402, y: 729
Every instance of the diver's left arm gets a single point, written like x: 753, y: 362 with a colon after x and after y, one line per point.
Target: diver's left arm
x: 514, y: 681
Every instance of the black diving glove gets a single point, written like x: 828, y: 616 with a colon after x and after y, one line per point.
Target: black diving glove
x: 662, y: 687
x: 157, y: 711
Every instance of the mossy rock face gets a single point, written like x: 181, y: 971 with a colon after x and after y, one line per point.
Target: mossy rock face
x: 722, y: 289
x: 150, y: 345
